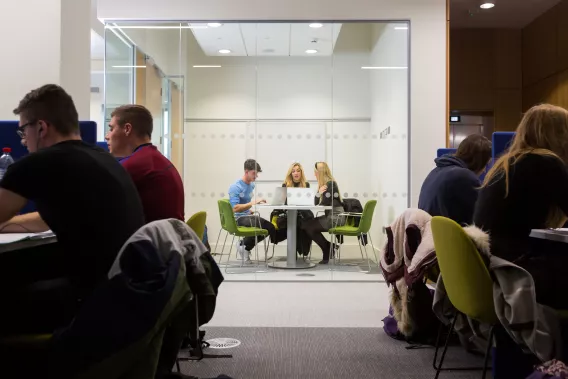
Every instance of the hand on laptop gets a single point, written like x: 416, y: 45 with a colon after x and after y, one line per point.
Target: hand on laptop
x: 258, y: 201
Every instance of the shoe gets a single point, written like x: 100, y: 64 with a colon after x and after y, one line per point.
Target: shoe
x: 325, y: 259
x: 243, y: 254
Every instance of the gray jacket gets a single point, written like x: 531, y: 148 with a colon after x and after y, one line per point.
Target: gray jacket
x: 533, y: 326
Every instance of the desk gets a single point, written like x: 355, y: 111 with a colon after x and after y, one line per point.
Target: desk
x: 28, y: 243
x: 292, y: 210
x: 557, y: 235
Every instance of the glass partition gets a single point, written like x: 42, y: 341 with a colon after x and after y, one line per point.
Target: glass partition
x: 323, y: 105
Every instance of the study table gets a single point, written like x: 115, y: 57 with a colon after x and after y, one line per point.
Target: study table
x: 557, y: 235
x: 291, y: 233
x: 19, y: 241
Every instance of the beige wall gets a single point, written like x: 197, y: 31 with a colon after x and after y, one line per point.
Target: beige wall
x: 545, y: 58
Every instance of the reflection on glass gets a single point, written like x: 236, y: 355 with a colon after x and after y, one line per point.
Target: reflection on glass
x: 327, y: 99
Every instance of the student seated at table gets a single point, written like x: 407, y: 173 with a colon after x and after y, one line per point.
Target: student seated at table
x: 327, y: 195
x: 450, y: 190
x: 158, y: 182
x: 240, y: 196
x: 527, y: 189
x: 82, y: 194
x: 295, y: 178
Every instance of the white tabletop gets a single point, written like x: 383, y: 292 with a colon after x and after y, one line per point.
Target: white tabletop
x: 292, y: 207
x: 559, y: 235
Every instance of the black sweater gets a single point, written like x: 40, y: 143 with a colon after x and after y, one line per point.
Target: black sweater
x: 330, y: 196
x: 536, y: 185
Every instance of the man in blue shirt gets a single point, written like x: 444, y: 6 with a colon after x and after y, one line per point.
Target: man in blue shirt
x: 241, y: 197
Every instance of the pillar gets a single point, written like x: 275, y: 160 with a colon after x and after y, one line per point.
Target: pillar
x: 45, y: 41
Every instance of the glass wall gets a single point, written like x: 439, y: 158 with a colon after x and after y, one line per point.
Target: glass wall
x: 285, y: 94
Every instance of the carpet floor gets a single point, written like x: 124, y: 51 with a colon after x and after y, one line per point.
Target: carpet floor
x: 314, y: 353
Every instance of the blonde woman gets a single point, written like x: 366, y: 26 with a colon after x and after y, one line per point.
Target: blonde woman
x: 526, y: 189
x: 327, y: 195
x: 295, y: 177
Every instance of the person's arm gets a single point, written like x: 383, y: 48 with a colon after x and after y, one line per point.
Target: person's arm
x: 10, y: 204
x: 556, y: 181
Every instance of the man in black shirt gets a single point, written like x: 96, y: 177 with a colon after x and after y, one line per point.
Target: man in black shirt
x: 82, y: 193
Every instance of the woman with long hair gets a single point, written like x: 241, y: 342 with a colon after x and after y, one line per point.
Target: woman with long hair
x: 527, y: 189
x: 327, y: 195
x: 295, y: 178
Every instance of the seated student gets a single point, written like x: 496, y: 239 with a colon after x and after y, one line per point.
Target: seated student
x: 328, y: 195
x: 82, y: 194
x: 450, y: 190
x: 295, y: 178
x: 526, y: 189
x: 158, y: 182
x: 240, y: 196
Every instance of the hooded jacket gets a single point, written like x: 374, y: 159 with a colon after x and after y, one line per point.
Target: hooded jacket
x: 450, y: 190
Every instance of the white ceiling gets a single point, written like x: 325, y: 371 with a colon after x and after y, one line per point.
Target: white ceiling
x: 505, y: 14
x: 267, y: 39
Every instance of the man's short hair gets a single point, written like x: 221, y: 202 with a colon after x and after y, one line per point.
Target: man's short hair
x: 51, y: 104
x: 475, y: 151
x: 251, y: 164
x: 136, y: 115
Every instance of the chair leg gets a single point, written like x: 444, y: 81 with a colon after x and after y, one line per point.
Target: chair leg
x: 361, y: 247
x: 374, y: 252
x: 229, y: 255
x: 217, y: 243
x: 488, y: 351
x: 224, y: 244
x: 439, y: 368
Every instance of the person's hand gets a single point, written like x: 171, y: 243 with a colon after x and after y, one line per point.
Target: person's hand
x: 323, y: 189
x: 258, y: 201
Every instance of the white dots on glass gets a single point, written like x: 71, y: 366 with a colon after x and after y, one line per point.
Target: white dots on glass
x: 385, y: 194
x: 203, y: 136
x: 365, y: 194
x: 364, y: 136
x: 345, y: 136
x: 251, y: 136
x: 318, y: 136
x: 232, y: 136
x: 289, y: 136
x: 355, y: 136
x: 299, y: 136
x: 394, y: 194
x: 355, y: 194
x: 328, y: 136
x: 345, y: 194
x: 279, y: 136
x: 270, y: 194
x: 260, y: 136
x: 335, y: 136
x: 327, y: 195
x: 194, y: 136
x: 270, y: 136
x: 298, y: 194
x: 193, y: 194
x: 202, y: 194
x: 404, y: 194
x: 260, y: 194
x: 212, y: 136
x: 212, y: 194
x: 374, y: 136
x: 308, y: 136
x: 241, y: 136
x: 404, y: 136
x: 223, y: 136
x: 222, y: 194
x: 375, y: 194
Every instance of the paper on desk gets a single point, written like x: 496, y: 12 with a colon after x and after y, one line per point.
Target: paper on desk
x: 6, y: 238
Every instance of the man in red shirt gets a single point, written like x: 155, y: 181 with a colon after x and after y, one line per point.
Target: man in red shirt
x: 158, y: 182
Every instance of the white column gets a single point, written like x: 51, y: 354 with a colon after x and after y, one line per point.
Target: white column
x: 45, y: 41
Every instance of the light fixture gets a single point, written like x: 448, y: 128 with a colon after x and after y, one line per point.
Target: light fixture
x: 225, y: 51
x: 401, y: 28
x: 206, y: 66
x: 486, y: 4
x: 316, y: 25
x: 128, y: 66
x: 214, y: 24
x: 311, y: 51
x: 156, y: 26
x: 383, y: 68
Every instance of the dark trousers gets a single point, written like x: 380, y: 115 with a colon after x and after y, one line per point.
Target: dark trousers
x: 314, y: 230
x: 255, y: 221
x: 36, y: 296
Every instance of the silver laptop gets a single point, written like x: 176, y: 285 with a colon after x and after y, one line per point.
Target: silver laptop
x: 279, y: 196
x: 301, y: 196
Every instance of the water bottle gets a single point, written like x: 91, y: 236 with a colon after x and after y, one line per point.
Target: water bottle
x: 5, y: 161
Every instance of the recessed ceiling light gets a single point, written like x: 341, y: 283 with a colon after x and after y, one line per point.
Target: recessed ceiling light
x: 311, y: 51
x: 206, y: 66
x: 225, y: 51
x: 486, y: 5
x: 316, y: 25
x: 214, y: 24
x: 401, y: 28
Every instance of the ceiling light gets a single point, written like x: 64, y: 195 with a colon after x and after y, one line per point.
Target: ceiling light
x: 316, y: 25
x: 214, y: 24
x: 311, y: 51
x: 401, y: 28
x: 383, y: 68
x: 128, y: 66
x: 206, y: 66
x: 225, y: 51
x: 486, y: 4
x: 155, y: 26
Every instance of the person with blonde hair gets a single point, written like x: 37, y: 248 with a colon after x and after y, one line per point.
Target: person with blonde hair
x: 527, y: 189
x: 327, y: 195
x: 295, y: 178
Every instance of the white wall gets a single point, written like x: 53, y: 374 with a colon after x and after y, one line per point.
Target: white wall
x: 428, y: 48
x: 53, y: 47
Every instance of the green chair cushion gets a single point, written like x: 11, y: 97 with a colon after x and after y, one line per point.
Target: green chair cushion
x: 25, y: 341
x: 245, y: 231
x: 347, y: 230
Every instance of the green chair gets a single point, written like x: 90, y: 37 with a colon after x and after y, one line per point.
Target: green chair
x: 197, y: 223
x: 468, y: 284
x: 229, y: 224
x: 350, y: 230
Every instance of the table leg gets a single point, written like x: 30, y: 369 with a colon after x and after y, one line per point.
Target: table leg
x: 291, y: 235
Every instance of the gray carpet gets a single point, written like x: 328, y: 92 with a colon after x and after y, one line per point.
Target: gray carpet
x: 354, y: 353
